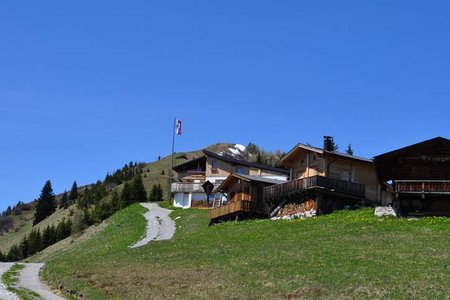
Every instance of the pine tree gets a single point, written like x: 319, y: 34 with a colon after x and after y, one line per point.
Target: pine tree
x: 153, y: 194
x: 48, y: 237
x: 115, y: 201
x: 34, y: 242
x: 2, y: 257
x: 64, y: 201
x: 126, y: 196
x: 159, y: 193
x: 138, y: 193
x: 24, y: 247
x: 349, y: 150
x: 46, y: 204
x: 73, y: 192
x: 13, y: 254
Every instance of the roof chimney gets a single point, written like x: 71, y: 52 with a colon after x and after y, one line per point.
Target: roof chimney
x: 328, y: 143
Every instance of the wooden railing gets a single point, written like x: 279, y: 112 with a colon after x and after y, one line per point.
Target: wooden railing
x: 330, y: 184
x: 233, y: 207
x: 186, y: 187
x: 422, y: 186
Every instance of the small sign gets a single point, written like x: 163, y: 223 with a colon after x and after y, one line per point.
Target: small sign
x: 208, y: 187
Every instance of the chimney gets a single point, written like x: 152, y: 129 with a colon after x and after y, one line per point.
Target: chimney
x: 328, y: 143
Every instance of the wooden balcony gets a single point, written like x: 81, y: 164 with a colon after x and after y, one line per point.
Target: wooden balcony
x: 187, y: 188
x: 233, y: 208
x: 315, y: 182
x: 422, y: 186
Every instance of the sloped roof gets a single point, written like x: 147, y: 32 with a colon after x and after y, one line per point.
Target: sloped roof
x: 229, y: 159
x: 431, y: 142
x: 248, y: 178
x: 430, y: 156
x: 189, y: 163
x: 233, y: 160
x: 322, y: 152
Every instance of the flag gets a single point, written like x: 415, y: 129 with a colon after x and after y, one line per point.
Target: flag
x: 178, y: 128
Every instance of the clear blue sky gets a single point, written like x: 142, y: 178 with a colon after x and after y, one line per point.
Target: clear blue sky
x: 86, y: 86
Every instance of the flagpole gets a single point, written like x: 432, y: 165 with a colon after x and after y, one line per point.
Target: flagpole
x: 171, y: 164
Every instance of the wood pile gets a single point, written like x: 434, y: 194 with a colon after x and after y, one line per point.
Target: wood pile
x: 199, y: 204
x: 297, y: 208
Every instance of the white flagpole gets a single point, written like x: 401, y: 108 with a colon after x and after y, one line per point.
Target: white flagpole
x: 171, y: 164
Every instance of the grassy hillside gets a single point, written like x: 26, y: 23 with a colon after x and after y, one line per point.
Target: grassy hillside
x: 24, y: 223
x: 343, y: 255
x: 152, y: 175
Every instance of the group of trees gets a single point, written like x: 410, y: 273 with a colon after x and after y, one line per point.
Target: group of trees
x: 37, y: 241
x: 94, y: 204
x: 67, y: 200
x: 156, y: 193
x: 260, y: 156
x: 127, y: 173
x: 6, y: 217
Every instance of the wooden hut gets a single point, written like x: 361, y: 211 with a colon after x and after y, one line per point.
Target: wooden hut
x: 244, y: 197
x: 417, y: 178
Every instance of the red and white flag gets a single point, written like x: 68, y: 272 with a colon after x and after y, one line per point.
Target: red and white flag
x: 178, y: 128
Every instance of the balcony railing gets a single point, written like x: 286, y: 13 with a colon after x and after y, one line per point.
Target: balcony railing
x: 422, y: 186
x: 179, y: 187
x: 234, y: 207
x: 329, y: 184
x: 186, y: 187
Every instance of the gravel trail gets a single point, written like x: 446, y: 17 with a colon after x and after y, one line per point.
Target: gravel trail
x: 29, y: 279
x: 159, y: 225
x: 4, y: 293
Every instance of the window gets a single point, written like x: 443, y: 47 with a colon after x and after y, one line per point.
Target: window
x: 214, y: 164
x: 240, y: 170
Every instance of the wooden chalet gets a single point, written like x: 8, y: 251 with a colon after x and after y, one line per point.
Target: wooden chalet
x: 244, y: 197
x: 331, y: 179
x: 215, y: 168
x: 416, y: 178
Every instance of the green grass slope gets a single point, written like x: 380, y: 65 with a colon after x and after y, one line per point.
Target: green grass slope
x: 151, y: 176
x: 342, y: 255
x: 24, y: 224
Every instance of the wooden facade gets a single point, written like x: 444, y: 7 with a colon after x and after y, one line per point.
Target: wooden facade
x: 214, y: 168
x: 245, y: 197
x: 418, y: 177
x: 334, y: 180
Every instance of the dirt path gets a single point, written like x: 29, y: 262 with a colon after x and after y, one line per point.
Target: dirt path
x: 29, y: 279
x: 4, y: 293
x: 159, y: 225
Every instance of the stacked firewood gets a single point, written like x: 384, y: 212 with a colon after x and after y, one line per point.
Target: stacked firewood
x: 200, y: 204
x: 297, y: 208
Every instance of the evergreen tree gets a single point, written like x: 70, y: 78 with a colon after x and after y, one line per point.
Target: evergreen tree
x: 103, y: 210
x: 24, y: 247
x: 163, y: 173
x: 46, y: 204
x: 48, y: 237
x: 78, y: 224
x: 138, y: 193
x: 126, y: 196
x: 349, y: 150
x: 34, y: 242
x: 159, y: 193
x: 115, y: 201
x: 2, y: 257
x: 13, y: 254
x: 64, y: 201
x: 153, y: 194
x: 73, y: 192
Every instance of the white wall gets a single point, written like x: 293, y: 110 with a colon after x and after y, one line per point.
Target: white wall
x: 182, y: 200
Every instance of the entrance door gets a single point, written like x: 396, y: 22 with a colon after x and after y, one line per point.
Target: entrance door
x: 186, y: 200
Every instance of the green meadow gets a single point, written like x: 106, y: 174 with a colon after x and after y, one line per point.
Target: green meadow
x: 347, y: 254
